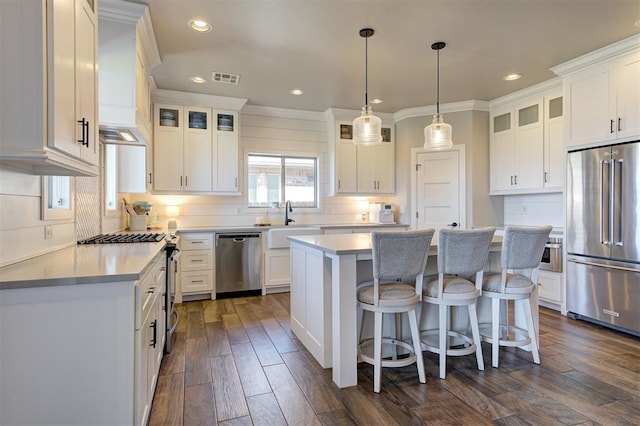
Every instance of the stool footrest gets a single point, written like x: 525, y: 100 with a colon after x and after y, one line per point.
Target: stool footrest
x: 520, y: 335
x: 428, y: 344
x: 366, y: 356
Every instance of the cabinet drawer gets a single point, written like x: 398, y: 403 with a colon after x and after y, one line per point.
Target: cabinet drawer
x: 196, y: 241
x: 196, y: 281
x: 196, y: 260
x: 550, y: 286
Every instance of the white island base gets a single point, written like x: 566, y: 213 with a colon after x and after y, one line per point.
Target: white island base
x: 325, y: 270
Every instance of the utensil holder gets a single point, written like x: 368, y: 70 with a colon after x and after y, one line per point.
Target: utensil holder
x: 138, y: 222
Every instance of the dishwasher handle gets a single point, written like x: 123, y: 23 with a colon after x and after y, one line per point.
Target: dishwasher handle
x: 237, y: 238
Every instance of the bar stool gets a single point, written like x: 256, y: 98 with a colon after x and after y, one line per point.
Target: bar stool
x: 399, y: 261
x: 461, y: 256
x: 522, y: 249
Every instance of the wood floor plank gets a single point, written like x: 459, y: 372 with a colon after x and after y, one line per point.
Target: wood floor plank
x: 199, y: 408
x: 591, y: 382
x: 234, y: 329
x: 528, y: 409
x: 181, y: 309
x: 227, y: 389
x: 195, y: 324
x: 213, y: 310
x: 252, y: 377
x: 217, y: 339
x: 229, y: 306
x: 278, y: 336
x: 265, y: 410
x: 267, y: 353
x: 336, y: 418
x: 173, y: 362
x: 197, y: 368
x: 247, y: 316
x: 294, y: 406
x: 168, y: 402
x: 321, y: 396
x: 482, y: 403
x: 240, y: 421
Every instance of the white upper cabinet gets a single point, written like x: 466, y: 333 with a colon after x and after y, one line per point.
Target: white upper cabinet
x: 196, y: 148
x: 526, y: 144
x: 58, y: 135
x: 360, y: 170
x: 602, y: 95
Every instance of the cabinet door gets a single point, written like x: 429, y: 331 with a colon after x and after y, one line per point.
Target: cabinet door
x: 589, y: 103
x: 168, y: 148
x: 345, y: 163
x: 87, y: 81
x: 550, y: 286
x: 226, y: 162
x: 501, y: 151
x: 198, y: 150
x: 554, y: 142
x: 367, y: 165
x: 628, y: 118
x: 385, y: 167
x: 529, y: 146
x: 64, y: 130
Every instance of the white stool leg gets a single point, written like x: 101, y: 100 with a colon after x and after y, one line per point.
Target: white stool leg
x: 442, y: 334
x: 360, y: 322
x: 495, y: 331
x: 377, y: 351
x: 526, y: 306
x: 415, y: 335
x: 475, y: 331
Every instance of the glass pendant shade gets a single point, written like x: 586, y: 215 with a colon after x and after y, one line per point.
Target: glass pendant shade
x: 367, y: 129
x: 437, y: 135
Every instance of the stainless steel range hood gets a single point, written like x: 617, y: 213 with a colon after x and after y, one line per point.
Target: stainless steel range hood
x: 127, y: 48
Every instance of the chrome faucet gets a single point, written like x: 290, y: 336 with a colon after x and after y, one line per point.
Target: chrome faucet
x: 287, y: 210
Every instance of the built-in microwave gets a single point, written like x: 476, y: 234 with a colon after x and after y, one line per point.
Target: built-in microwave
x: 552, y: 255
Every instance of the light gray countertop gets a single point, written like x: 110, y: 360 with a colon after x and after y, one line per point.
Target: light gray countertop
x: 255, y: 228
x: 82, y: 264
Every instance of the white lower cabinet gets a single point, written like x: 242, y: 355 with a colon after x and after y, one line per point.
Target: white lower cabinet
x: 550, y: 288
x: 277, y: 264
x: 82, y: 354
x: 196, y: 264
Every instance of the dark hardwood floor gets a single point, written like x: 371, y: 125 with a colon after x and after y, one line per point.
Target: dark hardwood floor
x: 236, y: 362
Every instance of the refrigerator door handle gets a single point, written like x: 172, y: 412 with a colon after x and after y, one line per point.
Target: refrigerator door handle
x: 605, y: 236
x: 600, y: 265
x: 617, y: 203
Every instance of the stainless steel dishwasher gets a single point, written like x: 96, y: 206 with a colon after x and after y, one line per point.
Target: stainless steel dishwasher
x: 238, y: 263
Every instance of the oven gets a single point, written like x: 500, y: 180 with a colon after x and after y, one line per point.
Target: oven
x: 552, y: 255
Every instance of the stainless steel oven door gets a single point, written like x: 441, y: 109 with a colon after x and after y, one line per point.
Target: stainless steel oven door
x: 552, y: 256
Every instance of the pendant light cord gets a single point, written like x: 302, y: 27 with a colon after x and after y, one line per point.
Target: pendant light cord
x: 438, y: 83
x: 366, y: 71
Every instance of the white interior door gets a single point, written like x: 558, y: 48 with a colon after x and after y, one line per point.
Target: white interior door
x: 439, y: 188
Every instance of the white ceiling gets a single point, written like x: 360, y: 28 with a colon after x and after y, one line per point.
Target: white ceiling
x: 314, y: 45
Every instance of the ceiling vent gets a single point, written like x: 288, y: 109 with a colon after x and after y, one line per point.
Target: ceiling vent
x: 225, y: 77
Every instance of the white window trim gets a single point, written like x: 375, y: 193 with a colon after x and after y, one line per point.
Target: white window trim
x: 106, y: 211
x: 319, y: 161
x: 58, y: 214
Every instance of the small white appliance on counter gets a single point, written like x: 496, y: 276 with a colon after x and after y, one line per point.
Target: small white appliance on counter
x: 382, y: 213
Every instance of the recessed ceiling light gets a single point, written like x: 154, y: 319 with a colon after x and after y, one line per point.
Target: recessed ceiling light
x: 198, y: 79
x: 377, y: 101
x: 200, y: 26
x: 512, y: 76
x: 296, y: 92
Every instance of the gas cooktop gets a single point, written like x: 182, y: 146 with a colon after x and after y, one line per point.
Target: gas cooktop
x: 147, y: 237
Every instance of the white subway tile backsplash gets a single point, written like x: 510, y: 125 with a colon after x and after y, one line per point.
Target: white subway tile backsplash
x: 534, y: 210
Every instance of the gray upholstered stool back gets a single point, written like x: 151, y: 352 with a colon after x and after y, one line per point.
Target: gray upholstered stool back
x: 400, y: 255
x: 463, y: 252
x: 522, y: 247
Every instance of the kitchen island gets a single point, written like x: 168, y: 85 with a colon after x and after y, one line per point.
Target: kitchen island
x: 325, y: 270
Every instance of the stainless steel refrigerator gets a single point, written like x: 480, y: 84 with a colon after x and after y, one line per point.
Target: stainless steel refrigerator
x: 603, y: 235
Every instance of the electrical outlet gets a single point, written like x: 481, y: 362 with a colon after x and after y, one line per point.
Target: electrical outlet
x: 48, y: 232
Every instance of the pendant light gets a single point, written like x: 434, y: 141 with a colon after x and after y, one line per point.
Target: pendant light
x: 367, y: 129
x: 437, y: 135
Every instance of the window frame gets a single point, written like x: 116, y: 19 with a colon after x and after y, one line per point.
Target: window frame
x: 106, y: 211
x: 48, y: 213
x: 317, y: 157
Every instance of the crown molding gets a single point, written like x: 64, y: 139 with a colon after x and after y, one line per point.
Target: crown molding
x: 599, y: 56
x: 472, y: 105
x: 147, y: 36
x: 120, y: 11
x: 535, y: 90
x: 197, y: 99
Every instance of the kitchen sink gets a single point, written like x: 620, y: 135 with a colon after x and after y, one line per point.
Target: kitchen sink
x: 277, y: 237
